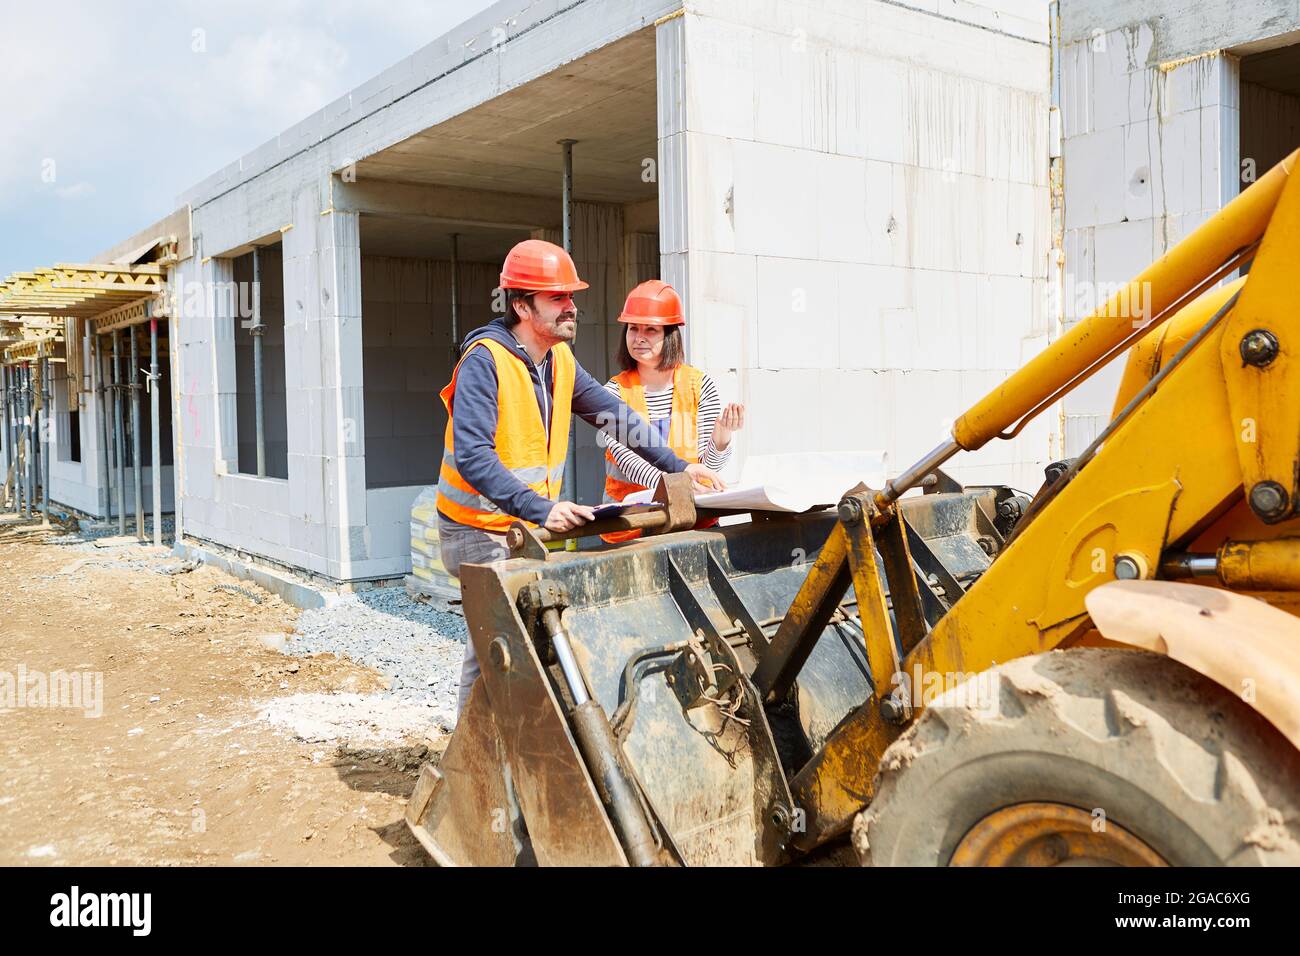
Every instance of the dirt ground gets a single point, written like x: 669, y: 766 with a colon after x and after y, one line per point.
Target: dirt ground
x: 179, y: 768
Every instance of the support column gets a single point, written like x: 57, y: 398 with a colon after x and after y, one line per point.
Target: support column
x: 16, y: 433
x: 11, y: 431
x: 35, y: 387
x: 175, y: 377
x: 20, y: 448
x: 84, y: 383
x: 4, y: 423
x: 137, y: 468
x: 20, y: 458
x: 342, y: 440
x: 259, y: 400
x: 100, y: 391
x: 155, y: 430
x: 29, y: 442
x: 44, y: 434
x: 118, y: 436
x: 455, y: 300
x: 570, y: 490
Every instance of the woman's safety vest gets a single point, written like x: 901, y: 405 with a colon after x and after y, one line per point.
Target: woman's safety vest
x: 682, y: 434
x: 522, y: 441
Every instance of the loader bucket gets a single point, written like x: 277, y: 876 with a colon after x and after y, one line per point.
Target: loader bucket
x: 666, y: 632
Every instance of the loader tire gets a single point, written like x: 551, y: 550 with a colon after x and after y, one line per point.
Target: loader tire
x: 1086, y: 756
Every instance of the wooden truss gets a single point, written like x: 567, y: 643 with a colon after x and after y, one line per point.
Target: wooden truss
x: 29, y: 350
x: 49, y: 308
x: 79, y: 291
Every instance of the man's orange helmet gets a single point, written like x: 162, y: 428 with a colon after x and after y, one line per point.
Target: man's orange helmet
x: 539, y: 266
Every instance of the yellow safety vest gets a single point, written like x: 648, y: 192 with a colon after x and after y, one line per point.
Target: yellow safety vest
x: 522, y: 441
x: 682, y: 431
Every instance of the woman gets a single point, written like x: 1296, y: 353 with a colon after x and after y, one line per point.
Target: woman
x: 679, y: 400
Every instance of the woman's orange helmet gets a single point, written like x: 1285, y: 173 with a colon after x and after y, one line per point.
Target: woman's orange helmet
x: 653, y: 303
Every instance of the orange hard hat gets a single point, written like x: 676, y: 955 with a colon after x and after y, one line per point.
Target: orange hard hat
x: 653, y: 303
x: 540, y: 266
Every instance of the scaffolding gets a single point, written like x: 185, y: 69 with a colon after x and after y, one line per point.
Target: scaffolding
x: 60, y: 315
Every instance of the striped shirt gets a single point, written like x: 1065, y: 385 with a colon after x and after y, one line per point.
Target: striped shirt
x: 660, y: 406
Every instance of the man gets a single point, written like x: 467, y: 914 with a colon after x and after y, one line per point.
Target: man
x: 509, y: 404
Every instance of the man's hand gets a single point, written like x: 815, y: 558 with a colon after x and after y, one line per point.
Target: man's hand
x: 566, y: 515
x: 729, y: 422
x: 704, y: 480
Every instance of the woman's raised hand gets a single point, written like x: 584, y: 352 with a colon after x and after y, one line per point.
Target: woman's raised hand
x: 730, y: 421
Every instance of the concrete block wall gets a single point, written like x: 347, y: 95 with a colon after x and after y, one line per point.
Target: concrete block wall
x: 313, y: 519
x: 193, y: 365
x: 322, y: 518
x: 1150, y: 152
x: 218, y: 504
x: 406, y: 336
x: 854, y: 197
x: 323, y: 278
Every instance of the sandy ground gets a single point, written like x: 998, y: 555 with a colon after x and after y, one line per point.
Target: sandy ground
x: 199, y: 755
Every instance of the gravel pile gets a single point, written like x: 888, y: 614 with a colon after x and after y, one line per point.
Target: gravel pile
x: 417, y: 647
x: 86, y: 533
x: 357, y: 720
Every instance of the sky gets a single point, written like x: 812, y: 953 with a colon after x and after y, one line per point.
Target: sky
x: 109, y: 109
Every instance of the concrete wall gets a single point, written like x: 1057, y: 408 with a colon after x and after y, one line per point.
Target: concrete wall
x: 1156, y: 125
x: 326, y: 517
x: 316, y: 519
x: 406, y: 336
x: 1150, y: 152
x: 854, y: 198
x: 1179, y: 28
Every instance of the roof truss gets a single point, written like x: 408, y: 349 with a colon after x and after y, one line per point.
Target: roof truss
x: 79, y: 291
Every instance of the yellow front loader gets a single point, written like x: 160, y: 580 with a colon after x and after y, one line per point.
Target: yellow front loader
x: 1107, y: 672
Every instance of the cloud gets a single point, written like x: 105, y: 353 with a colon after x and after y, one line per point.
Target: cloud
x: 295, y: 72
x: 76, y: 191
x: 133, y: 110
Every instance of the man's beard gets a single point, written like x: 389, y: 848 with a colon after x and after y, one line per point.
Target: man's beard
x: 565, y: 331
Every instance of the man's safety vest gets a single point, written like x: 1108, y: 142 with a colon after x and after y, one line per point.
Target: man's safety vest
x: 522, y: 441
x: 682, y: 431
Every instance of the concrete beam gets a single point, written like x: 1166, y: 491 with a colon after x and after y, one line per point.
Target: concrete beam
x: 1181, y: 27
x: 176, y: 224
x: 447, y: 204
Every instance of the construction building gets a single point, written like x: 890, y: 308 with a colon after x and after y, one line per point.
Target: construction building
x: 1166, y: 112
x: 855, y: 200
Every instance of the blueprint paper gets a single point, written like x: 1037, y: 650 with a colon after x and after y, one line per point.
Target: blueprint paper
x: 793, y: 482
